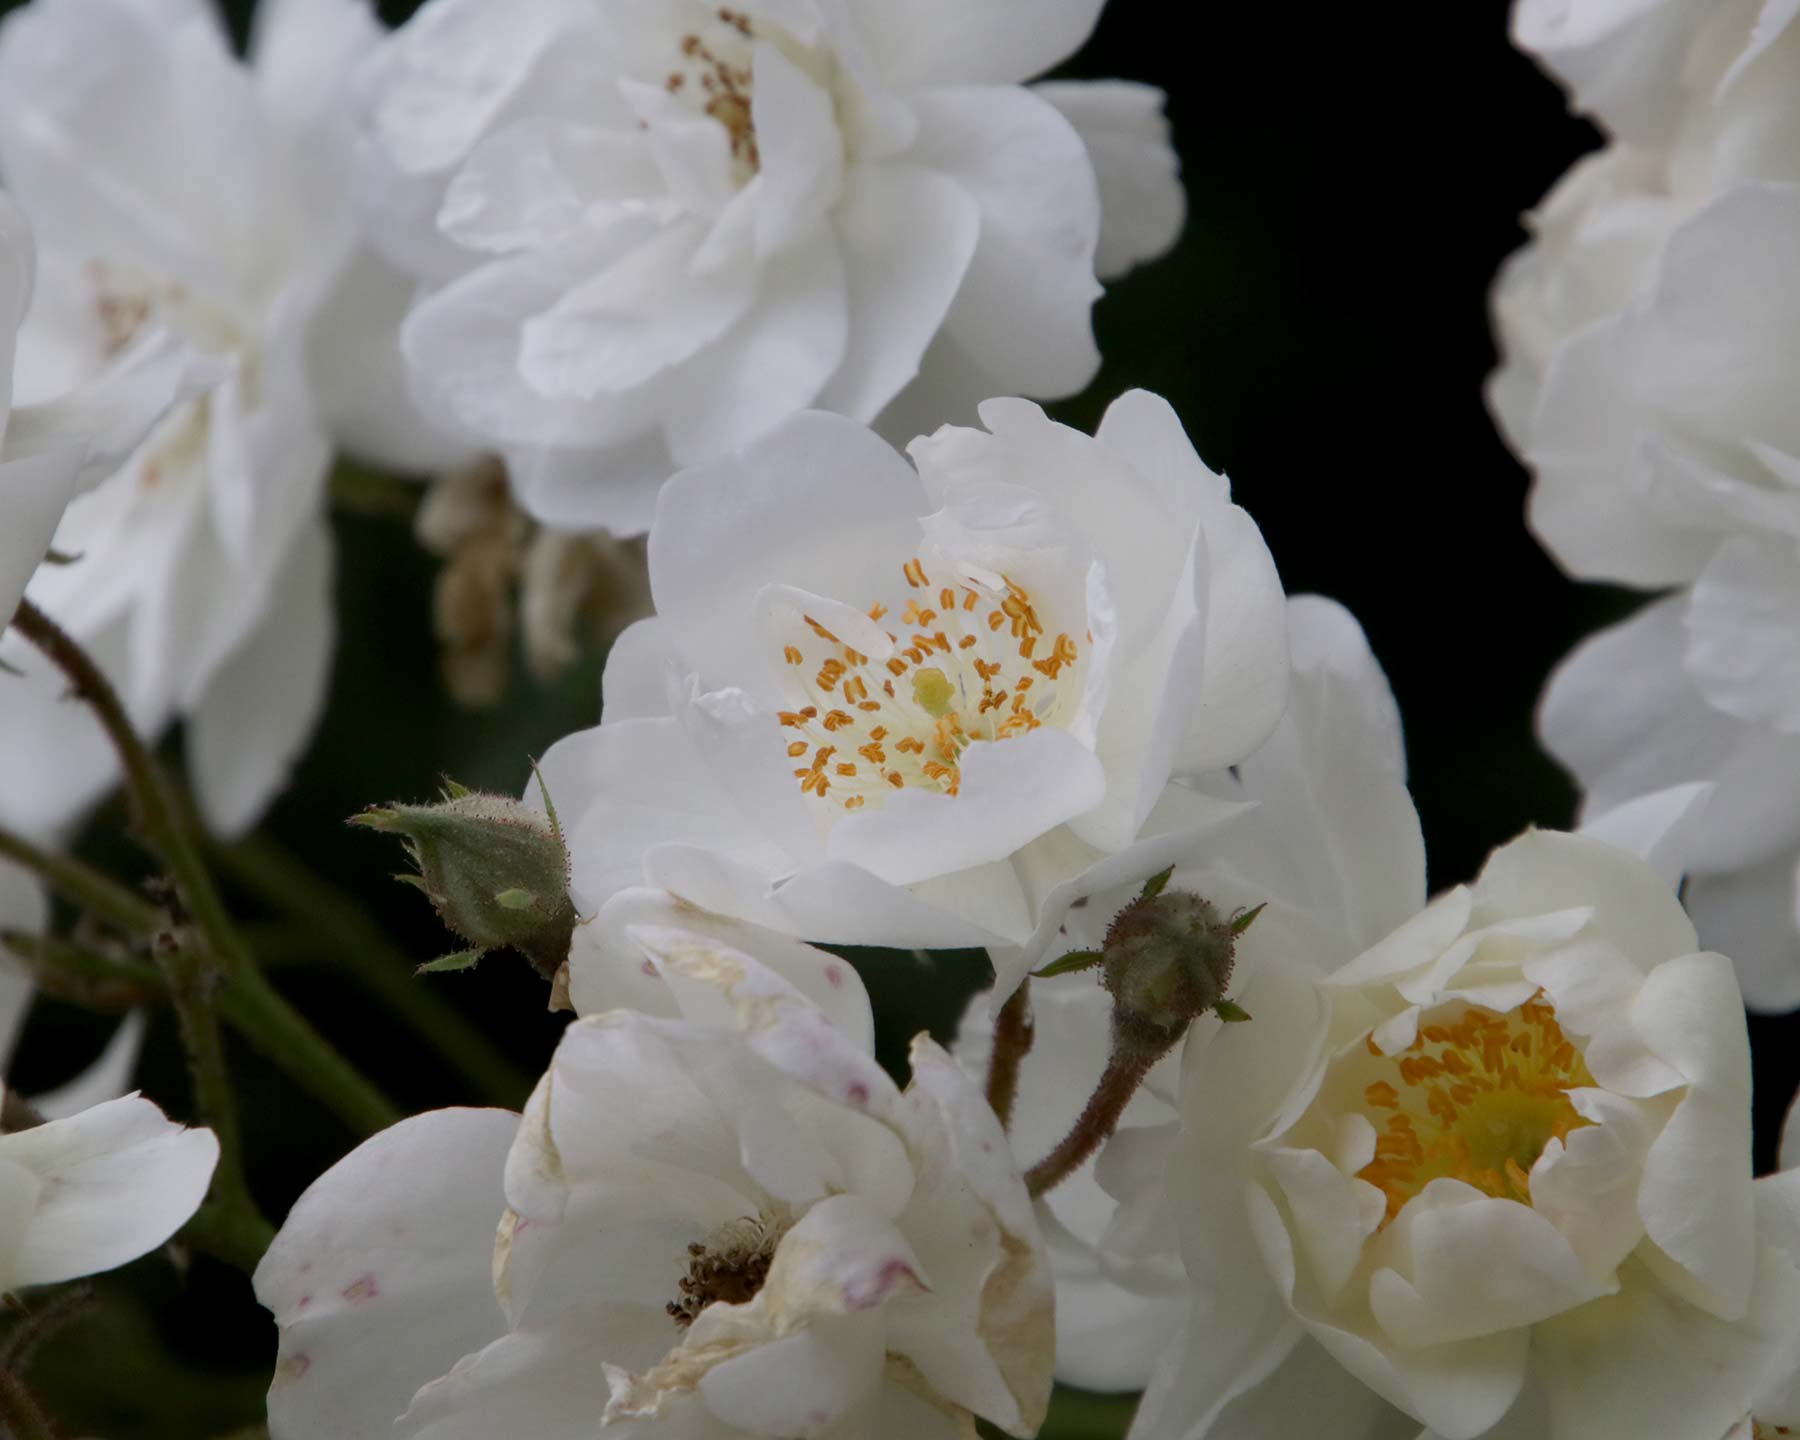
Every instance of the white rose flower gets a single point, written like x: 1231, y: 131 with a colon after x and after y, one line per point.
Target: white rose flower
x: 730, y: 1224
x: 1492, y: 1177
x: 659, y: 227
x: 1697, y: 99
x: 896, y: 707
x: 1333, y: 850
x: 1668, y: 455
x: 175, y: 189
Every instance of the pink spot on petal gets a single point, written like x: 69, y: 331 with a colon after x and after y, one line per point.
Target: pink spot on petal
x: 834, y: 977
x: 303, y: 1302
x: 362, y: 1288
x: 870, y: 1293
x: 648, y: 968
x: 857, y: 1093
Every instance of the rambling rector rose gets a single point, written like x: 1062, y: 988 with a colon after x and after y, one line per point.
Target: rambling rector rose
x: 726, y: 1224
x: 1492, y: 1178
x: 1333, y: 853
x: 177, y: 190
x: 652, y: 229
x: 880, y: 705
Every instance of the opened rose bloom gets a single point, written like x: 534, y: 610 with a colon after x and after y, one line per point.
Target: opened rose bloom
x: 1490, y: 1178
x: 1331, y: 850
x: 928, y: 707
x: 726, y: 1224
x: 656, y: 228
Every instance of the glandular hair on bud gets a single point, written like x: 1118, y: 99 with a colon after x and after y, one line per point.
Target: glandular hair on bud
x: 1167, y: 960
x: 495, y: 869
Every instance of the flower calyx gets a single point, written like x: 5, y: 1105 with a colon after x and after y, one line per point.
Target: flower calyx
x: 495, y: 869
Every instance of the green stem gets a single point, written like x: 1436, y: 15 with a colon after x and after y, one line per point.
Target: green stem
x: 161, y: 818
x: 285, y: 1037
x: 248, y: 1003
x: 155, y: 804
x: 361, y: 950
x: 1013, y: 1034
x: 73, y: 972
x: 190, y: 988
x: 230, y: 1233
x: 84, y: 886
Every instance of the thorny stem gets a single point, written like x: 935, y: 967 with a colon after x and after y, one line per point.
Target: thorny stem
x: 1125, y: 1071
x: 1014, y: 1031
x: 362, y: 951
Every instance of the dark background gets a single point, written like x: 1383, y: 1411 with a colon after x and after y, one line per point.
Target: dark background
x: 1355, y: 173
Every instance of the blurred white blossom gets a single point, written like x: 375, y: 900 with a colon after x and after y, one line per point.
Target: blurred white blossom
x: 50, y: 450
x: 95, y: 1189
x: 178, y: 191
x: 652, y: 229
x: 1492, y: 1177
x: 896, y: 706
x: 1332, y: 849
x: 727, y: 1223
x: 1647, y: 375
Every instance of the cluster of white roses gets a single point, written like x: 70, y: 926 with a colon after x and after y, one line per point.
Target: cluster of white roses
x: 1474, y: 1167
x: 1647, y: 380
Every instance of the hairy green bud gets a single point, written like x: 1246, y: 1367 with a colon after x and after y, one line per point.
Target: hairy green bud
x: 1167, y: 960
x: 495, y: 870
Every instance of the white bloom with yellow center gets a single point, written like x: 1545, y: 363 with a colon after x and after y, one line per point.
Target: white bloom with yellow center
x: 659, y: 227
x: 880, y: 705
x: 722, y: 1225
x: 1333, y: 853
x: 1492, y: 1177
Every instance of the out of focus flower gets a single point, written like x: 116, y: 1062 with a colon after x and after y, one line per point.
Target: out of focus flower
x: 1492, y: 1178
x: 50, y: 450
x: 1332, y: 850
x: 570, y: 592
x: 89, y: 1192
x: 657, y: 228
x: 1648, y: 359
x: 880, y: 705
x: 175, y: 189
x: 729, y: 1224
x: 1671, y: 455
x: 1695, y: 99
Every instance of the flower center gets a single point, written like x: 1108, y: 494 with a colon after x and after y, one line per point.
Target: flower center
x: 1476, y: 1097
x: 715, y: 72
x: 975, y: 664
x: 730, y: 1266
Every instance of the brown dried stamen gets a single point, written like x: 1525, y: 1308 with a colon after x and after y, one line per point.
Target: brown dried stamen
x: 729, y: 1267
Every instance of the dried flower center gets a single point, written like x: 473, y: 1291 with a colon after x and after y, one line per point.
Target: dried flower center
x: 730, y: 1266
x: 715, y: 72
x: 973, y: 663
x: 1476, y: 1097
x: 1760, y: 1430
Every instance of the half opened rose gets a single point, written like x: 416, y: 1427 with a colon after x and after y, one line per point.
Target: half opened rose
x: 1497, y: 1167
x: 898, y: 706
x: 727, y: 1224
